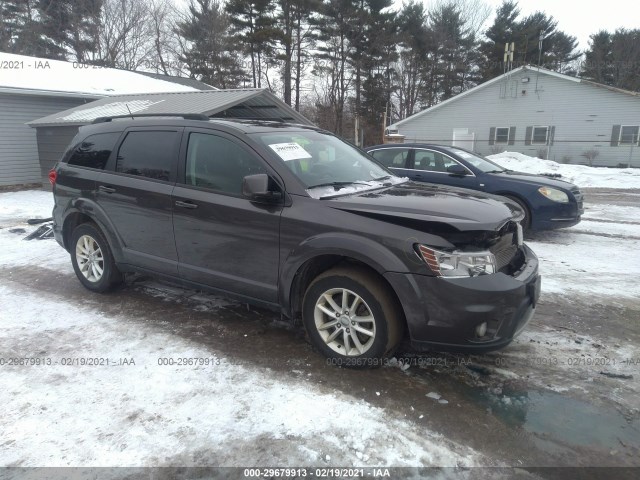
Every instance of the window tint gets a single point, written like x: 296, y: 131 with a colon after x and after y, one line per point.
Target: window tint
x: 148, y: 154
x: 218, y: 163
x: 392, y: 157
x: 629, y: 135
x: 502, y: 135
x: 432, y: 161
x: 94, y: 151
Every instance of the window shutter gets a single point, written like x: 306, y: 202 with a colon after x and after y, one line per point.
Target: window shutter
x: 528, y: 135
x: 552, y: 134
x: 615, y: 135
x: 512, y: 135
x: 492, y: 135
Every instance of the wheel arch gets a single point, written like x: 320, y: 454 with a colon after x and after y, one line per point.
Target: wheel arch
x: 83, y: 211
x: 322, y: 254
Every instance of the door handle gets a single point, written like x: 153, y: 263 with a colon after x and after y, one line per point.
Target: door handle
x: 105, y: 189
x: 182, y: 204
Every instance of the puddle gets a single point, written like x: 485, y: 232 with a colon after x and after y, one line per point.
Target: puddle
x: 553, y: 416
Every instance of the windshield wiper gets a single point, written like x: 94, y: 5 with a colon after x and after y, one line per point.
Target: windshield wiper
x: 338, y: 185
x: 386, y: 177
x: 497, y: 171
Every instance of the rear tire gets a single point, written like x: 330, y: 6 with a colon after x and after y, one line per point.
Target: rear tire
x: 92, y: 259
x: 352, y: 317
x: 526, y: 221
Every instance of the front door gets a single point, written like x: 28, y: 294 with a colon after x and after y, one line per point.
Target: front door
x: 431, y: 166
x: 224, y: 240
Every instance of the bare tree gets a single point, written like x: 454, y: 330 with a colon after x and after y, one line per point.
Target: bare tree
x: 125, y: 39
x: 590, y: 155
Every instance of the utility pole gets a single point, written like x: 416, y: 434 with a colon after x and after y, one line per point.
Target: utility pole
x: 633, y: 143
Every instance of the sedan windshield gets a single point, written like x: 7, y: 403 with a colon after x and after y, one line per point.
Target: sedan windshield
x: 481, y: 163
x: 326, y: 163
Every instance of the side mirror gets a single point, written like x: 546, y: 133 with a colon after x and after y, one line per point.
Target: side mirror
x: 256, y: 189
x: 457, y: 170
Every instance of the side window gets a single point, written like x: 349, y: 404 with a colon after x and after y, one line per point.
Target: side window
x: 94, y: 151
x: 392, y: 157
x: 218, y: 163
x: 432, y: 161
x: 148, y: 154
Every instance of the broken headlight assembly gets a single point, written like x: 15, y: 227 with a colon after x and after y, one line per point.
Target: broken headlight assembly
x: 457, y: 264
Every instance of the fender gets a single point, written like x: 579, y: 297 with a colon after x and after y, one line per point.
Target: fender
x: 363, y: 249
x: 92, y: 210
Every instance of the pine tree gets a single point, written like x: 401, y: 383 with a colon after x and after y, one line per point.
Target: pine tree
x: 502, y: 31
x: 598, y: 65
x: 253, y: 24
x: 68, y: 28
x: 211, y: 55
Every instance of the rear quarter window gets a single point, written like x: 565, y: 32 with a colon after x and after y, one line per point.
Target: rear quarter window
x: 150, y: 154
x: 93, y: 151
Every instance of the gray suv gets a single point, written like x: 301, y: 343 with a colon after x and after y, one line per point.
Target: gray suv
x: 292, y: 218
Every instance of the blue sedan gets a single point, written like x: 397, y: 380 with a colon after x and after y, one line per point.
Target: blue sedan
x: 547, y: 202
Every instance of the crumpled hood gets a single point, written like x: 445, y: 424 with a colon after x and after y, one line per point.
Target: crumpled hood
x: 463, y: 209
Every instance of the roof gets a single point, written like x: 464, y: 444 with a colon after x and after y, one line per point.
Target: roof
x: 188, y: 82
x: 501, y: 77
x: 251, y: 103
x: 23, y: 75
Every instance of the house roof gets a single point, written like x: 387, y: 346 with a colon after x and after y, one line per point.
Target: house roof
x: 251, y: 103
x: 501, y: 77
x: 23, y: 75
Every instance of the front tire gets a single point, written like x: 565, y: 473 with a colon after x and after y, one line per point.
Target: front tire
x: 352, y: 317
x: 92, y: 259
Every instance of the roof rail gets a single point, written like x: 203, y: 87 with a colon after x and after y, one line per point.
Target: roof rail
x: 186, y: 116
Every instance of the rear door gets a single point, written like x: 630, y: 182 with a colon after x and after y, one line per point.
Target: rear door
x: 395, y: 159
x: 431, y: 166
x: 135, y: 193
x: 224, y: 240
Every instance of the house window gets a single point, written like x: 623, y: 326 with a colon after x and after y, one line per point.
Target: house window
x: 540, y: 135
x: 502, y: 135
x: 629, y: 134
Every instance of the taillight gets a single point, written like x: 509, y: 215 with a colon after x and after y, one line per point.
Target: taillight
x: 53, y: 175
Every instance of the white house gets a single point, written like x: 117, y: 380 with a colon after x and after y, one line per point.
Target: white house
x: 539, y: 113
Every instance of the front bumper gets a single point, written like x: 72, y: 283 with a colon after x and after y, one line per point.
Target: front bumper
x: 443, y: 314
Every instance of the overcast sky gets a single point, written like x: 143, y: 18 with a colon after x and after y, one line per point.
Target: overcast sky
x: 579, y: 19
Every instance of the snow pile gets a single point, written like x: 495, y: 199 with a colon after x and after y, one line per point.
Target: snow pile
x: 581, y: 175
x: 54, y: 75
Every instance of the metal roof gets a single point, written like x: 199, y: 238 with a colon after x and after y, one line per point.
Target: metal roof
x: 252, y: 103
x: 186, y: 81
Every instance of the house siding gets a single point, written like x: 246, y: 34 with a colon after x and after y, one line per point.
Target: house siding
x: 52, y: 143
x: 18, y: 144
x: 584, y: 116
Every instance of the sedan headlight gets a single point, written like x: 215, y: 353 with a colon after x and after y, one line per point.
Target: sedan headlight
x: 554, y: 194
x: 458, y: 264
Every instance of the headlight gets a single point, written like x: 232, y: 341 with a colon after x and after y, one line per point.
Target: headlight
x: 554, y: 194
x: 458, y: 264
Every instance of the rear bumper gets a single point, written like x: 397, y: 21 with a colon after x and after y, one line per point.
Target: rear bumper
x: 443, y: 314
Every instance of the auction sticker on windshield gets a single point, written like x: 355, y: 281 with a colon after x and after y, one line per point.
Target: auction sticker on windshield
x: 290, y: 151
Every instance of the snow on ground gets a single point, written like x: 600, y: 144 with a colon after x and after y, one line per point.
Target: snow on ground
x: 581, y: 175
x: 153, y: 415
x: 158, y: 415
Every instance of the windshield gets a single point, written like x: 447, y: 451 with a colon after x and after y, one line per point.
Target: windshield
x: 480, y: 163
x: 321, y: 161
